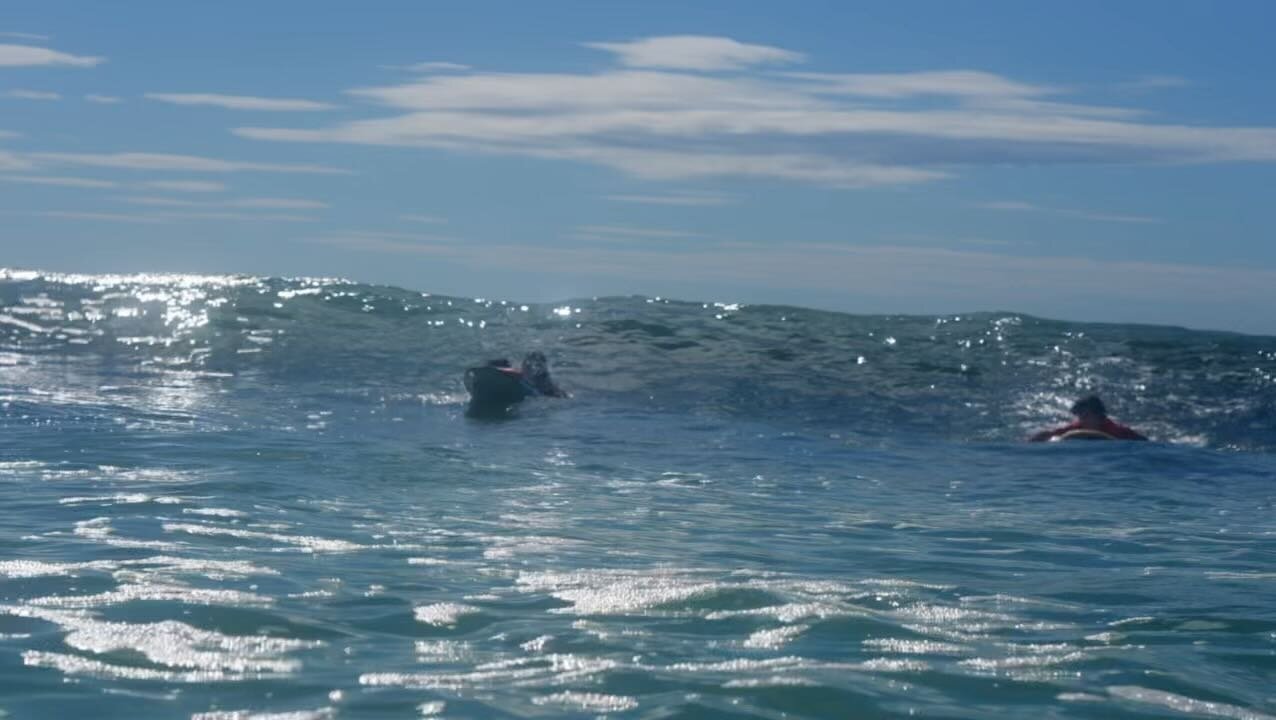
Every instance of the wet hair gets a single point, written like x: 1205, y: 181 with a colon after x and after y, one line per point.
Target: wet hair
x: 1090, y: 404
x: 535, y: 364
x: 536, y: 371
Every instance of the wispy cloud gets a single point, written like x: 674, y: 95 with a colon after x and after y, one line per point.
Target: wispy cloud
x: 277, y: 203
x: 10, y: 162
x: 688, y: 199
x: 248, y: 217
x: 187, y: 163
x: 195, y: 186
x: 1016, y: 206
x: 625, y: 233
x: 33, y: 95
x: 430, y: 67
x: 30, y: 56
x: 76, y: 182
x: 25, y: 36
x: 103, y: 99
x: 98, y: 216
x: 241, y: 102
x: 1156, y: 82
x: 385, y: 235
x: 842, y: 130
x: 947, y: 83
x: 427, y: 219
x: 152, y: 218
x: 262, y: 203
x: 694, y: 52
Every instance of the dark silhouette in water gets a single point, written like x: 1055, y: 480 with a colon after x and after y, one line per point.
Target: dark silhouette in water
x: 1092, y: 423
x: 496, y: 387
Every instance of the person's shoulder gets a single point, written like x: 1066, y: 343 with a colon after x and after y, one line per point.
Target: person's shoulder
x: 1124, y: 432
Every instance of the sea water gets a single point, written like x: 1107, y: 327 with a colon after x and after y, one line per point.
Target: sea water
x: 235, y: 497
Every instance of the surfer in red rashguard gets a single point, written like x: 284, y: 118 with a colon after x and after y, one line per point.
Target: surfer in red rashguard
x: 1092, y: 423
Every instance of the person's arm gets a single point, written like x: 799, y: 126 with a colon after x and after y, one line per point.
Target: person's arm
x: 1045, y: 435
x: 1126, y: 433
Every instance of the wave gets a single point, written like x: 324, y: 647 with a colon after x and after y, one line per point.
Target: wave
x: 982, y: 377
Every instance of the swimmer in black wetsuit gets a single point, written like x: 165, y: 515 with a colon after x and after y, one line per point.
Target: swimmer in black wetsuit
x: 497, y: 386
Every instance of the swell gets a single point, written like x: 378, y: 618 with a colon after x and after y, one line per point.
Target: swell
x: 983, y: 377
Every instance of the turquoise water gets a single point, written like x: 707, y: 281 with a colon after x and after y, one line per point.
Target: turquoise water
x: 231, y: 497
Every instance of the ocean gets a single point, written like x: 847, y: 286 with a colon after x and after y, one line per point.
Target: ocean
x: 230, y: 497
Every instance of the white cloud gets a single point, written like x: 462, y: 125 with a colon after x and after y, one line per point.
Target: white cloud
x: 33, y: 95
x: 694, y: 52
x: 240, y: 102
x: 197, y: 186
x: 1017, y: 206
x: 673, y: 165
x: 263, y: 203
x: 624, y: 90
x: 24, y: 36
x: 77, y: 182
x: 161, y: 202
x: 1156, y: 82
x: 430, y: 67
x: 268, y: 217
x: 355, y: 237
x: 953, y: 83
x: 427, y: 219
x: 167, y: 216
x: 28, y: 56
x: 689, y: 199
x: 9, y: 162
x: 188, y: 163
x: 841, y: 130
x: 98, y: 216
x: 277, y: 203
x: 622, y: 232
x: 103, y: 99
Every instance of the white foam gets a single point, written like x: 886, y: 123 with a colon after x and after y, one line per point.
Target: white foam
x: 1184, y: 704
x: 443, y: 614
x: 770, y: 681
x: 36, y: 568
x: 589, y: 702
x: 550, y: 669
x: 99, y: 530
x: 306, y: 542
x: 215, y: 512
x: 775, y: 637
x: 155, y: 591
x: 614, y: 592
x: 319, y: 714
x: 915, y: 647
x: 186, y: 653
x: 537, y: 645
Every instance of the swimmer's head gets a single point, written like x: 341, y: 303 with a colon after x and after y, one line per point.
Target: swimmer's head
x: 535, y: 364
x: 1089, y: 405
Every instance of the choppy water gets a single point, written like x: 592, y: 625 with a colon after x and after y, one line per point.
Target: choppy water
x: 232, y: 497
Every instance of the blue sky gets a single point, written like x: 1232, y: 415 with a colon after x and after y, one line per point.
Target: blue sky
x: 1081, y: 160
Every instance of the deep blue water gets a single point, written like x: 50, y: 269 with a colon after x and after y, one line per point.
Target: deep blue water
x: 232, y: 497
